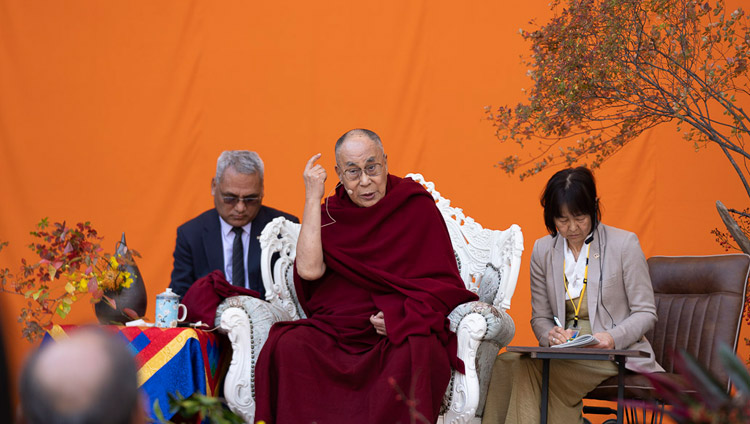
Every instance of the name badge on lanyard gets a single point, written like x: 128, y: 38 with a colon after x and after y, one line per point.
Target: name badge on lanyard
x: 577, y: 308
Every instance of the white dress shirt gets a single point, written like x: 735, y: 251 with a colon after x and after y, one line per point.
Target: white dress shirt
x: 575, y: 269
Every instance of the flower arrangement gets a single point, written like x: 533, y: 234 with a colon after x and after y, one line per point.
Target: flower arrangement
x: 71, y: 264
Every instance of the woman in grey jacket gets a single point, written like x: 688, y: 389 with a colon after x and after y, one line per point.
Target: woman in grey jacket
x: 594, y: 279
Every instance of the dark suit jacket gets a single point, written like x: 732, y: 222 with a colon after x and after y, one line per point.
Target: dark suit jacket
x: 199, y: 251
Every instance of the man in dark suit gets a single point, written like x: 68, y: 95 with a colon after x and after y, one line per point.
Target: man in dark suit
x: 226, y: 237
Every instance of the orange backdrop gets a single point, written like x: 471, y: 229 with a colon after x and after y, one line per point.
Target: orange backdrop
x: 114, y: 112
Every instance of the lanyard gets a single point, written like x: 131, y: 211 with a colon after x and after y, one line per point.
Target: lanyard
x: 577, y: 309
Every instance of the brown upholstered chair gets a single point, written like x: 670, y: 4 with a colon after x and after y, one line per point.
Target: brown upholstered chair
x: 699, y: 304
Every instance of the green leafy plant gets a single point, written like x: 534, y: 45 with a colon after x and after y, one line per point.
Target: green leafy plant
x: 71, y: 264
x: 202, y: 407
x: 699, y: 398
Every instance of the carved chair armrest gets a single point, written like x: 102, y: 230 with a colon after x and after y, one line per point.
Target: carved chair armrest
x: 246, y: 321
x: 481, y: 330
x: 500, y: 328
x: 259, y: 312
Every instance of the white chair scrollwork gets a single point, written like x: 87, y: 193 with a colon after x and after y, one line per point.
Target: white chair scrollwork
x: 488, y: 260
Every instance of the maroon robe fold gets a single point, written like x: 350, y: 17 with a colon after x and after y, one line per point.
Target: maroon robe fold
x: 205, y: 294
x: 396, y: 257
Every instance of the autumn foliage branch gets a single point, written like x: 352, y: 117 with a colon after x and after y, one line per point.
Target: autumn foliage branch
x: 71, y: 264
x: 604, y: 71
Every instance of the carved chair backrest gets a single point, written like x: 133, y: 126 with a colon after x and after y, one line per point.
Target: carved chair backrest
x: 488, y: 260
x: 278, y: 241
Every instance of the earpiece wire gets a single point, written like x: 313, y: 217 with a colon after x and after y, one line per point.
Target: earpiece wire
x: 333, y: 221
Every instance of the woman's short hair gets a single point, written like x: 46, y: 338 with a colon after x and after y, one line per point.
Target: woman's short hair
x: 574, y: 188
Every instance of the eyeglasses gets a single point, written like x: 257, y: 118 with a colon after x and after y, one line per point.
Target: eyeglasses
x: 371, y: 170
x: 249, y: 200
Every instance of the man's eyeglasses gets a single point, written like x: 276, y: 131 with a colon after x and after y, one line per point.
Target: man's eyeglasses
x: 371, y: 170
x: 249, y: 200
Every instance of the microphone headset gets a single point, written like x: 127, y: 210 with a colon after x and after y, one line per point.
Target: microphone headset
x: 350, y: 191
x: 333, y: 221
x: 602, y: 234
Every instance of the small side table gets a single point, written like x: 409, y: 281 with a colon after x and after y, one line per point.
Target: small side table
x: 547, y: 353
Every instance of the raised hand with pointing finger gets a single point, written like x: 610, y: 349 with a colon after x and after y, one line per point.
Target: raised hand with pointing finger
x: 315, y: 177
x: 309, y: 263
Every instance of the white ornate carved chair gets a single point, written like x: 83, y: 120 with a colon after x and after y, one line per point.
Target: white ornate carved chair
x: 488, y: 260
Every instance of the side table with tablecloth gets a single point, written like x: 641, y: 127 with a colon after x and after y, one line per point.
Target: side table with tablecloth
x: 169, y: 360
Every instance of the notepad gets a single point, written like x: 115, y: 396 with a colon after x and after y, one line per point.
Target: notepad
x: 580, y: 341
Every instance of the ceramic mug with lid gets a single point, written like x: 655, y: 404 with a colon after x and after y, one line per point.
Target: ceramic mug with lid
x: 167, y: 309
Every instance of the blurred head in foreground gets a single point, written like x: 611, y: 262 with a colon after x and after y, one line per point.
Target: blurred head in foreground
x: 90, y: 377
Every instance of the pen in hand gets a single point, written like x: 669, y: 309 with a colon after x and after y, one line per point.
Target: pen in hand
x: 557, y: 322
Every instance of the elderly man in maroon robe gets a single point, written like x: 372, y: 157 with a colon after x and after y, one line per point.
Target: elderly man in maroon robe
x: 377, y: 277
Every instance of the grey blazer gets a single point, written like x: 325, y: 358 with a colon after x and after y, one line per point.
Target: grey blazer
x: 620, y: 301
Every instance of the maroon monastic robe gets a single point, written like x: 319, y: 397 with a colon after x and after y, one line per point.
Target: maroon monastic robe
x: 396, y: 257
